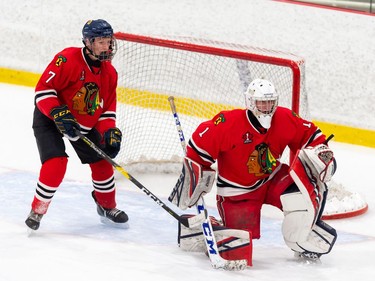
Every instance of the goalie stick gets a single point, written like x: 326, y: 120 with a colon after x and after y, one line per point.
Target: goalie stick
x: 217, y: 261
x: 188, y: 222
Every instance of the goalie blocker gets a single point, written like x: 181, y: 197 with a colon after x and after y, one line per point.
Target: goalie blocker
x: 194, y: 182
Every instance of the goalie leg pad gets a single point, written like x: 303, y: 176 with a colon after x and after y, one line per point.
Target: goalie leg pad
x: 310, y: 188
x: 321, y: 239
x: 302, y: 204
x: 194, y: 182
x: 233, y: 244
x: 298, y: 217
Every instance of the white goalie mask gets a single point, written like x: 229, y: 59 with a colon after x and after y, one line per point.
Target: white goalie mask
x: 262, y: 100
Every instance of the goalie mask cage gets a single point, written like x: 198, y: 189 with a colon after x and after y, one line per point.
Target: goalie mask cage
x: 204, y: 77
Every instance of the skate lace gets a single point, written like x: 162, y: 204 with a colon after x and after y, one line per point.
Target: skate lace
x: 113, y: 212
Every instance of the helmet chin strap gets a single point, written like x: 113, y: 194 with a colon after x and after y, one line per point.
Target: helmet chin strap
x: 89, y: 50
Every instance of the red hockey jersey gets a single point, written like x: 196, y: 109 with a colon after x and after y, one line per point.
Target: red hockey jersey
x: 89, y: 93
x: 246, y: 153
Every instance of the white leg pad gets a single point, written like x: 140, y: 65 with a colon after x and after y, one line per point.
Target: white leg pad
x: 299, y: 218
x: 300, y: 232
x: 320, y: 239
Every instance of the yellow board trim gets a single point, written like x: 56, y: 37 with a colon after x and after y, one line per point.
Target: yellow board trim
x: 348, y: 134
x: 186, y: 106
x: 18, y: 77
x: 151, y: 100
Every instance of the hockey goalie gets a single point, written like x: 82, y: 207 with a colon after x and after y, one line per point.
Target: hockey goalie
x: 246, y: 145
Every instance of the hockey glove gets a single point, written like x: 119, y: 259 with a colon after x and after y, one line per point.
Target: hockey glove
x: 320, y: 160
x: 112, y: 142
x: 65, y: 122
x: 194, y: 182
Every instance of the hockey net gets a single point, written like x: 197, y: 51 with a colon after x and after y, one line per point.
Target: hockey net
x: 204, y: 77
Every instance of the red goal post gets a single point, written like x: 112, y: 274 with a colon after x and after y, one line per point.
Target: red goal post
x: 204, y: 76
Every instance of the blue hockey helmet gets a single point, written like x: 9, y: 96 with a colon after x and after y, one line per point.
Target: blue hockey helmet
x: 95, y: 29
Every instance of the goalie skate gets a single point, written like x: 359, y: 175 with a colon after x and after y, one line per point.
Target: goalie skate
x: 308, y: 257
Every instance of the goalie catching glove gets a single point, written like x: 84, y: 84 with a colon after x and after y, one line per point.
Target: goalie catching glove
x: 320, y: 161
x: 194, y: 182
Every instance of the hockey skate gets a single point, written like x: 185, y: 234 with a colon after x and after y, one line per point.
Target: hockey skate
x: 111, y: 216
x: 33, y: 220
x: 308, y: 257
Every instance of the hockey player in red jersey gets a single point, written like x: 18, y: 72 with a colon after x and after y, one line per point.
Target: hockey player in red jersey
x: 247, y: 145
x: 77, y: 91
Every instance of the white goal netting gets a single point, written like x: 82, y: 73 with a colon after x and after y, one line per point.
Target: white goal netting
x: 204, y: 77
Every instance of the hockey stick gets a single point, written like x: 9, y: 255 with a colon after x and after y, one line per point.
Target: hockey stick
x: 213, y: 252
x: 188, y: 222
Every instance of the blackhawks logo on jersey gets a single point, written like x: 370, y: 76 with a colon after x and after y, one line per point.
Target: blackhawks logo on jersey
x: 219, y: 119
x: 86, y: 100
x: 60, y: 59
x: 261, y: 161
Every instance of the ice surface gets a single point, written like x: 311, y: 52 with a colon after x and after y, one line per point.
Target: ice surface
x: 72, y: 244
